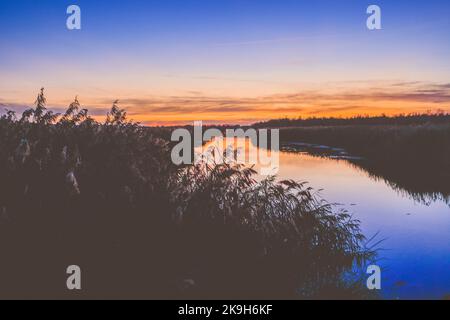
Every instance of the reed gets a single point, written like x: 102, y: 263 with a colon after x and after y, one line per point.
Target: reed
x: 415, y: 157
x: 106, y: 196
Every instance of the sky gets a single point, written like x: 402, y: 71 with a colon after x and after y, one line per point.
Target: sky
x: 227, y: 61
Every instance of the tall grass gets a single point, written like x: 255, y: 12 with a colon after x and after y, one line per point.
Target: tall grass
x: 106, y: 196
x: 412, y: 157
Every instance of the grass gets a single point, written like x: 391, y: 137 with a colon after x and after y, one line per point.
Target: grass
x: 412, y: 157
x: 105, y: 196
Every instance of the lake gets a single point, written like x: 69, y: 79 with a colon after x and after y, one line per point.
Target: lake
x: 415, y: 255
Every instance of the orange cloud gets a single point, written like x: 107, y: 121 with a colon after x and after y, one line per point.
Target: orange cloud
x: 388, y: 98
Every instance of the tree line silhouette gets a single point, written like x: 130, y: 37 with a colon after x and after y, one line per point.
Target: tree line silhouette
x: 430, y: 117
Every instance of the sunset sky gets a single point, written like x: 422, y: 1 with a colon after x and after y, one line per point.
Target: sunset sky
x: 227, y: 61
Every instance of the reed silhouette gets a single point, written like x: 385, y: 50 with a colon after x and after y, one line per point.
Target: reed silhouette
x: 106, y: 196
x: 411, y: 153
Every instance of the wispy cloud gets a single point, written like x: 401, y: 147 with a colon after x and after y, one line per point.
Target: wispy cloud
x: 281, y: 40
x: 395, y: 97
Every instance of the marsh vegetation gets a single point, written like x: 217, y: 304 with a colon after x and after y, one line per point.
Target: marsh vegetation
x: 410, y: 152
x: 106, y: 196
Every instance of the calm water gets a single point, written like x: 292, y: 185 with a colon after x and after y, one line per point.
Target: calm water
x: 416, y: 251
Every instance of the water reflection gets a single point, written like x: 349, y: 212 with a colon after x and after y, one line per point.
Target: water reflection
x: 416, y: 186
x: 416, y: 254
x: 425, y: 187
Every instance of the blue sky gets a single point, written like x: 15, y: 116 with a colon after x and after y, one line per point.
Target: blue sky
x: 236, y: 51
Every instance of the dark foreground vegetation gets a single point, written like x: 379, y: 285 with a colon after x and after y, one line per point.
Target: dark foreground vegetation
x: 106, y: 197
x: 411, y: 152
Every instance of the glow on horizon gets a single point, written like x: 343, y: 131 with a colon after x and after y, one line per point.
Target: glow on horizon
x: 328, y: 100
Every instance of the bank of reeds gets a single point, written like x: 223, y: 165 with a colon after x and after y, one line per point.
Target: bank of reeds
x: 413, y: 157
x: 105, y: 196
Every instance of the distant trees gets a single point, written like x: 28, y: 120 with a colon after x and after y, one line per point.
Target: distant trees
x: 437, y: 117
